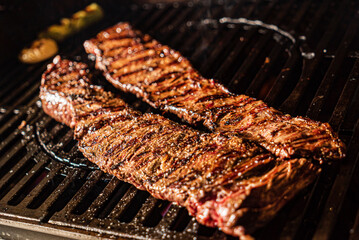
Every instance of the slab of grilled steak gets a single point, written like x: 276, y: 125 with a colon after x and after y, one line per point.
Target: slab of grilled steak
x: 224, y: 181
x: 136, y: 63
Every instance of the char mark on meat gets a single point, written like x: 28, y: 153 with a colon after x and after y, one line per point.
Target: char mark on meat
x: 223, y: 180
x: 166, y: 80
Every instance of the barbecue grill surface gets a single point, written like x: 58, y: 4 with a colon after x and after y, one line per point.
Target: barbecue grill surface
x: 308, y: 66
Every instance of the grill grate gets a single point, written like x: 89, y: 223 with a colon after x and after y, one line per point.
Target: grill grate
x: 316, y: 76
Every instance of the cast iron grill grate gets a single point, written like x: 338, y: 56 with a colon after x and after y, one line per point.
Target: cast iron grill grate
x: 317, y: 75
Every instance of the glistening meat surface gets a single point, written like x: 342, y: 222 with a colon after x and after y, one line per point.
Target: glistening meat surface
x: 136, y: 63
x: 223, y: 180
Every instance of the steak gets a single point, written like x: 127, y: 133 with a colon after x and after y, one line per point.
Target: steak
x: 166, y: 80
x: 223, y: 180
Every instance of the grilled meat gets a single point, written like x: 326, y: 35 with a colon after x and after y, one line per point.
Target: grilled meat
x: 166, y: 80
x: 223, y: 180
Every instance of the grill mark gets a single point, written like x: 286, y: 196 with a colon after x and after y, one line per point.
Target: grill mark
x: 173, y: 103
x: 144, y: 162
x: 173, y: 62
x: 117, y: 53
x: 119, y: 76
x: 312, y: 139
x: 106, y: 109
x: 125, y: 150
x: 112, y: 44
x: 134, y: 61
x: 135, y: 64
x: 169, y: 88
x: 258, y: 109
x: 177, y: 78
x: 238, y: 105
x: 136, y: 42
x: 195, y: 155
x: 164, y: 136
x: 181, y: 162
x: 117, y: 145
x: 259, y: 170
x: 183, y: 180
x: 163, y: 77
x: 124, y: 53
x: 213, y: 97
x: 219, y: 113
x: 179, y: 85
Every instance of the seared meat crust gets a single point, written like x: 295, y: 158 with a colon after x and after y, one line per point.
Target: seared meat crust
x: 223, y: 180
x: 166, y: 80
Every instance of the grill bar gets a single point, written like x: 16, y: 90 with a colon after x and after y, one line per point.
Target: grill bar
x: 9, y: 155
x: 146, y: 208
x: 32, y: 200
x: 154, y: 18
x: 291, y: 103
x: 11, y: 178
x: 339, y: 190
x: 289, y: 65
x: 57, y: 197
x: 355, y: 233
x: 176, y: 42
x: 332, y: 73
x: 92, y: 180
x: 168, y: 220
x: 240, y: 79
x: 12, y: 97
x: 258, y: 80
x: 321, y: 188
x: 10, y: 75
x: 113, y: 188
x: 21, y: 184
x: 125, y: 200
x: 346, y: 97
x: 169, y: 16
x: 25, y: 97
x: 192, y: 226
x: 240, y: 47
x: 224, y: 41
x: 277, y: 88
x: 194, y: 38
x: 96, y: 207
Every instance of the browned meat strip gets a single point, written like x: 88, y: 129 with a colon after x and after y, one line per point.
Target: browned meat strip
x: 166, y: 80
x: 222, y: 180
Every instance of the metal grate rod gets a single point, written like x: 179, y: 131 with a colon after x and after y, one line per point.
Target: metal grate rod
x: 310, y: 66
x: 346, y: 97
x: 339, y: 190
x: 332, y: 72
